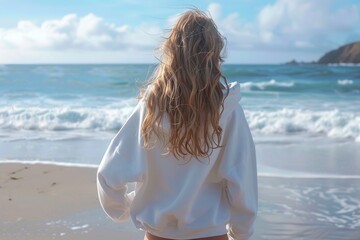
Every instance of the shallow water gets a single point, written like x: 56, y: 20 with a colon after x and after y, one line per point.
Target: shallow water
x: 292, y: 209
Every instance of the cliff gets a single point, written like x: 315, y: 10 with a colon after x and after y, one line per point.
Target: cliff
x: 349, y: 53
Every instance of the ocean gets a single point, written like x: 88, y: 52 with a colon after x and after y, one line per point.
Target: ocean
x: 305, y: 121
x: 59, y: 103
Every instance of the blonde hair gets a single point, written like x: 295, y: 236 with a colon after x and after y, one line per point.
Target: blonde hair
x: 186, y: 86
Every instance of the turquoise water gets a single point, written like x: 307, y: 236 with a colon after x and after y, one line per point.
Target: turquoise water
x: 93, y: 99
x: 68, y: 113
x: 46, y: 110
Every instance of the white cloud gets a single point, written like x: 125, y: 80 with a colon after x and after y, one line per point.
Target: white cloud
x: 239, y: 34
x: 303, y: 44
x: 144, y: 36
x: 214, y: 10
x: 305, y: 21
x: 284, y: 26
x: 89, y: 32
x: 288, y: 25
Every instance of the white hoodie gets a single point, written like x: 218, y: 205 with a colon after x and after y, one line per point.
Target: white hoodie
x: 179, y: 200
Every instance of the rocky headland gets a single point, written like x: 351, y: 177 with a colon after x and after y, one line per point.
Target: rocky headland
x: 348, y: 54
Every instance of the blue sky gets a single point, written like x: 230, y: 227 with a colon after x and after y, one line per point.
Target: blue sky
x: 122, y: 31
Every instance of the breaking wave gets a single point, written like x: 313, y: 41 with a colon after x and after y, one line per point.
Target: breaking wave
x: 268, y: 85
x: 332, y: 123
x: 63, y: 119
x: 341, y: 85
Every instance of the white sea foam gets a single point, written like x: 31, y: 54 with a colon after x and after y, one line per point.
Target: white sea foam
x: 79, y: 227
x: 333, y: 204
x: 345, y: 82
x: 263, y: 85
x: 63, y: 118
x: 332, y: 123
x: 267, y: 171
x: 344, y: 64
x: 301, y: 175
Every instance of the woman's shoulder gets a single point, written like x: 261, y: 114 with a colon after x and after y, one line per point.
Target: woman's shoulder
x: 234, y: 89
x: 232, y: 98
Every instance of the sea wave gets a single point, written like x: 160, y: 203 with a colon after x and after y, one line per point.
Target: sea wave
x: 63, y: 118
x: 331, y: 123
x: 345, y: 82
x: 344, y: 64
x: 334, y: 123
x: 268, y: 85
x: 339, y: 86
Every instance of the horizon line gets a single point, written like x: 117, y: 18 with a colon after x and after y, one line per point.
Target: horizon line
x: 123, y: 63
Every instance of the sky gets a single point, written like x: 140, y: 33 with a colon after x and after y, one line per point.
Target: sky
x: 129, y: 31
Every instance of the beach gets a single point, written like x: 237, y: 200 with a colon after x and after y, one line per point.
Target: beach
x: 56, y: 122
x: 54, y: 201
x: 59, y: 201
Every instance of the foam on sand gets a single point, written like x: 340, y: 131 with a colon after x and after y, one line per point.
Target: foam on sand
x: 274, y: 172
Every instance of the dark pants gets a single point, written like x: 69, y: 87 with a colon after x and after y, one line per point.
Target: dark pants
x: 149, y: 236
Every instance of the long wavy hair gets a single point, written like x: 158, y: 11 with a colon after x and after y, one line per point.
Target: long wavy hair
x: 186, y: 85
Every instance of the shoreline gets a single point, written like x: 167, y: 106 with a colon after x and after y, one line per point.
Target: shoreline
x: 47, y: 200
x: 274, y: 173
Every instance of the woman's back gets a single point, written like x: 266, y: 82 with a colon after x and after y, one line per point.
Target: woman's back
x: 188, y: 147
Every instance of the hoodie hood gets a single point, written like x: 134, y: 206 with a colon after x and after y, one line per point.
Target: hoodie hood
x: 232, y: 99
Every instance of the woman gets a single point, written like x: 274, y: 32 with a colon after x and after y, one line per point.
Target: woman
x: 187, y: 146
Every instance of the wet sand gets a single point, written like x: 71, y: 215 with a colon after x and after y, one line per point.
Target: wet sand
x: 48, y: 201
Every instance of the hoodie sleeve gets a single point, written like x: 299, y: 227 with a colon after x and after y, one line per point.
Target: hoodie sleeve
x: 238, y: 169
x: 122, y: 163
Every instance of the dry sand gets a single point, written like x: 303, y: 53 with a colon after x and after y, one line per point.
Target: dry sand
x: 48, y: 201
x: 39, y: 191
